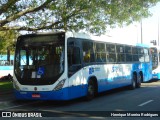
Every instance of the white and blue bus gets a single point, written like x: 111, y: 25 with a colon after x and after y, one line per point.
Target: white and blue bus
x: 66, y: 65
x: 155, y: 51
x: 6, y: 66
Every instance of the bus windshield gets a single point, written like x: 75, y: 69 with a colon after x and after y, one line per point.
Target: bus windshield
x: 39, y: 59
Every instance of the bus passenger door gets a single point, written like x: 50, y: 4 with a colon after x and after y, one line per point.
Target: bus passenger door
x: 74, y: 71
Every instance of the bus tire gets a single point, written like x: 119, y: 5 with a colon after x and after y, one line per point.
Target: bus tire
x: 138, y: 83
x: 134, y: 79
x: 91, y: 90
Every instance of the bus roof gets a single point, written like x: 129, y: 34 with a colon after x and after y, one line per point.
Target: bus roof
x: 83, y: 35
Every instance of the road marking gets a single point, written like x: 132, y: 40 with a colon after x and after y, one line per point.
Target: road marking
x: 145, y: 103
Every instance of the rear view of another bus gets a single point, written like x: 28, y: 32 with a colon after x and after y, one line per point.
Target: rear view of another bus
x: 155, y: 62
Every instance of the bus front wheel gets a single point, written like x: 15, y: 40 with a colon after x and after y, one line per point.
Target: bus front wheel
x: 91, y: 90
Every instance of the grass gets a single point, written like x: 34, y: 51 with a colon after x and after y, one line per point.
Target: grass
x: 7, y: 85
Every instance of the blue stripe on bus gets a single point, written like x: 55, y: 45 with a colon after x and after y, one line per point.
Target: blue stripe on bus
x: 70, y: 92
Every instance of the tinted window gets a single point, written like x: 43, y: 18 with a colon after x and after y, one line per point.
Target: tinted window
x: 128, y: 49
x: 100, y: 52
x: 110, y: 48
x: 120, y: 48
x: 120, y: 57
x: 100, y: 47
x: 134, y: 50
x: 128, y: 57
x: 111, y: 55
x: 88, y: 54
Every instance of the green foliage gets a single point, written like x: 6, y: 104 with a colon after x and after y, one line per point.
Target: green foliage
x: 72, y: 15
x: 7, y: 39
x: 96, y: 15
x: 6, y: 86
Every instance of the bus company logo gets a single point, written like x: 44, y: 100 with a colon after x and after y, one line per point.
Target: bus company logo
x: 6, y: 114
x: 91, y: 70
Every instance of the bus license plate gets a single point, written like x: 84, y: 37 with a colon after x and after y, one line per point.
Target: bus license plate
x: 36, y: 96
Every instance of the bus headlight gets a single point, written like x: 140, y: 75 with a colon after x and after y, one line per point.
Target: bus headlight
x: 59, y: 85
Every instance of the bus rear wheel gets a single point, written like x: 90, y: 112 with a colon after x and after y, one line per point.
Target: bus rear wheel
x: 91, y: 90
x: 134, y: 79
x: 138, y: 83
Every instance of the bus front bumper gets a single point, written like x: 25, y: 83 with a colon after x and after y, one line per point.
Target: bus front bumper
x: 42, y: 95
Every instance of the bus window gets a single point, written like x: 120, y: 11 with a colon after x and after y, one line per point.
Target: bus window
x: 100, y: 47
x: 88, y: 54
x: 141, y: 54
x: 146, y: 53
x: 120, y: 57
x: 128, y: 52
x: 128, y: 58
x: 120, y: 53
x: 134, y: 50
x: 120, y: 48
x: 23, y: 57
x: 100, y: 57
x: 110, y: 48
x: 128, y: 49
x: 135, y: 57
x: 100, y: 52
x: 111, y: 55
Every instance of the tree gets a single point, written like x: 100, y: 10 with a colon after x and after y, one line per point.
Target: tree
x: 7, y: 40
x: 75, y: 15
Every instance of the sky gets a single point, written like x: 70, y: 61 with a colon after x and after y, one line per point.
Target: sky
x: 132, y: 34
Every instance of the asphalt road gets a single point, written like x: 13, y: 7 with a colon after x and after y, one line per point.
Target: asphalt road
x: 111, y: 105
